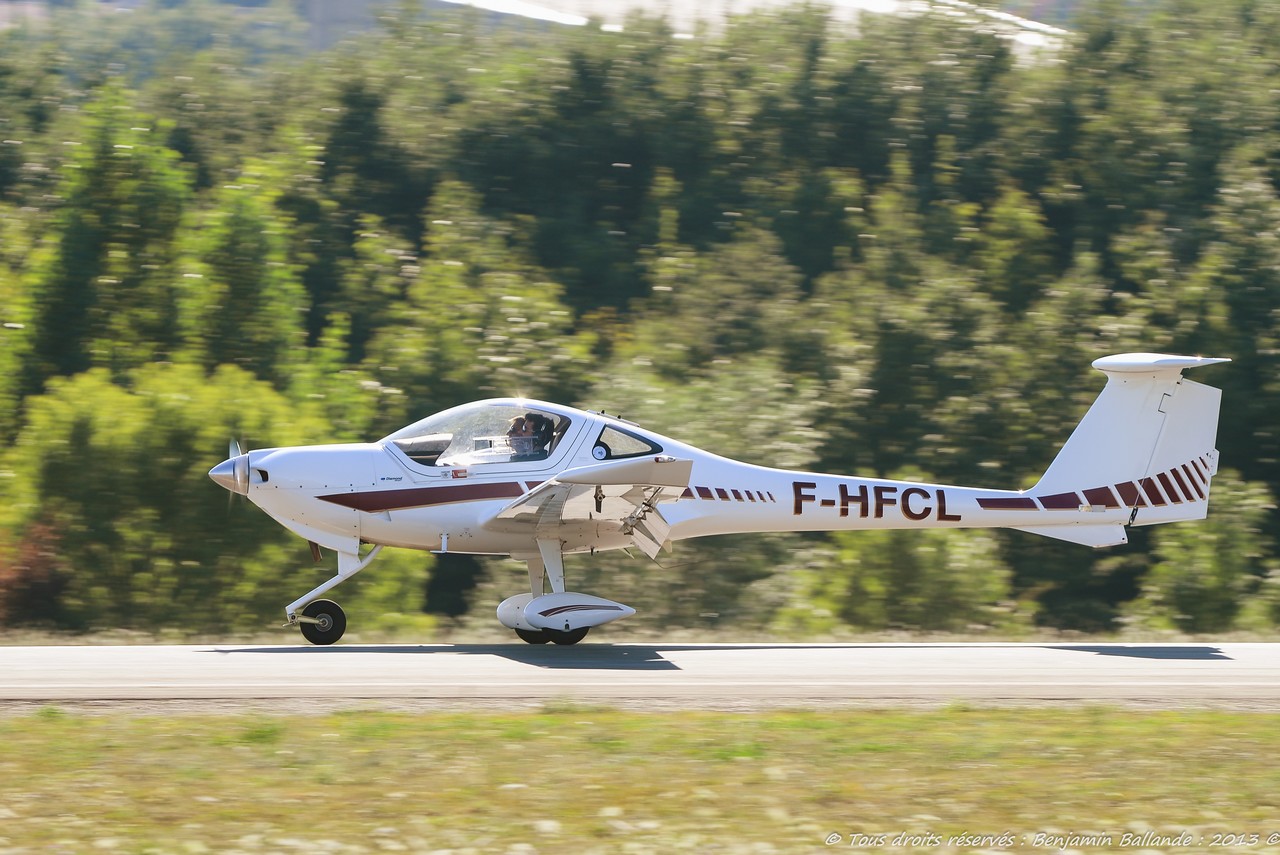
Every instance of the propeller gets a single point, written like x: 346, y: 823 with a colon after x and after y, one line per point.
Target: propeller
x: 241, y: 467
x: 233, y: 473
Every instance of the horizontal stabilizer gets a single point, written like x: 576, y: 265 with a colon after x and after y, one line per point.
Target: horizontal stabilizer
x: 1148, y: 363
x: 1096, y: 536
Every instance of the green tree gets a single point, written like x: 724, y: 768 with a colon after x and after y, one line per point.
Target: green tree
x: 577, y: 155
x: 1013, y: 253
x: 241, y: 301
x: 1206, y: 574
x: 476, y: 320
x: 925, y: 580
x: 1239, y: 278
x: 363, y: 168
x: 358, y: 407
x: 16, y: 250
x: 735, y: 300
x: 105, y: 296
x: 906, y: 244
x: 29, y: 95
x: 374, y: 280
x: 166, y: 549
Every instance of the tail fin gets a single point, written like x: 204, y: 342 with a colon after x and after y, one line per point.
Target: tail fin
x: 1146, y: 444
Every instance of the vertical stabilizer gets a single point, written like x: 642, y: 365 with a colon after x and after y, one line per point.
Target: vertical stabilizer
x: 1146, y: 444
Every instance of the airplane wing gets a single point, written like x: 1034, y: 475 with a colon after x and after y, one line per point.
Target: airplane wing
x: 619, y: 495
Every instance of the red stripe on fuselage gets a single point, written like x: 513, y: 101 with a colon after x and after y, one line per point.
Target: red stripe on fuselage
x: 421, y: 497
x: 1010, y: 504
x: 1061, y: 502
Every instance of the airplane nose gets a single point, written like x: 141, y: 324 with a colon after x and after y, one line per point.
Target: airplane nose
x: 233, y: 474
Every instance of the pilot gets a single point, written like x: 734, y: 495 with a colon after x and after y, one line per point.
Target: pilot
x: 520, y: 438
x: 539, y: 429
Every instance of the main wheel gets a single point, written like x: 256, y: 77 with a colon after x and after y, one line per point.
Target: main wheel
x: 332, y: 622
x: 533, y: 636
x: 572, y: 636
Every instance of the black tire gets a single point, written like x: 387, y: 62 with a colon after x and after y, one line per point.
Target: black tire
x: 333, y: 622
x: 572, y: 636
x: 533, y: 636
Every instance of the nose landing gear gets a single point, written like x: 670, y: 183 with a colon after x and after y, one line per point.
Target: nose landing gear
x: 323, y: 621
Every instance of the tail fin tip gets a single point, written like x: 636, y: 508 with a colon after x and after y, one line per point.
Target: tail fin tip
x: 1123, y: 363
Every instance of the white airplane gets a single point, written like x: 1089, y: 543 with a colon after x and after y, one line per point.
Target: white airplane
x: 537, y: 481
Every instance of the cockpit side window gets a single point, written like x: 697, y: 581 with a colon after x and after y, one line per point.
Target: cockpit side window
x: 616, y: 443
x: 478, y: 434
x: 424, y: 449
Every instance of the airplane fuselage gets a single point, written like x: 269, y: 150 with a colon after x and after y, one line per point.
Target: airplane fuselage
x: 337, y: 495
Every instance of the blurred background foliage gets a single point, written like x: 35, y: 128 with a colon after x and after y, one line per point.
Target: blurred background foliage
x: 885, y: 250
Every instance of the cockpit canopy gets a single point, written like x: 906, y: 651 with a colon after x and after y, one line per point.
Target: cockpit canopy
x: 482, y: 432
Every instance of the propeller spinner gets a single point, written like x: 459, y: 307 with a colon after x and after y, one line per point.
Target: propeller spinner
x: 233, y: 473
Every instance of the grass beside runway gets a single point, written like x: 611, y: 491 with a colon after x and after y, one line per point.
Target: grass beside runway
x: 599, y: 780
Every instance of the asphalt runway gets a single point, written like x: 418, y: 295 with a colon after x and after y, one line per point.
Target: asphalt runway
x: 657, y: 676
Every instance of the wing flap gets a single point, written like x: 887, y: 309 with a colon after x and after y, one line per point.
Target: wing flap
x: 645, y: 541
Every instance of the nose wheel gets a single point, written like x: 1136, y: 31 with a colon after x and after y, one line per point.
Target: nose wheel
x: 322, y: 622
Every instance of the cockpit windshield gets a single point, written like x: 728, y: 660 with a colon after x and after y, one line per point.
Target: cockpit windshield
x: 472, y: 434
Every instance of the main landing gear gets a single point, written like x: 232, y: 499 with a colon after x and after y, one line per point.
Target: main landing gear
x: 548, y: 563
x: 559, y: 636
x: 560, y: 617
